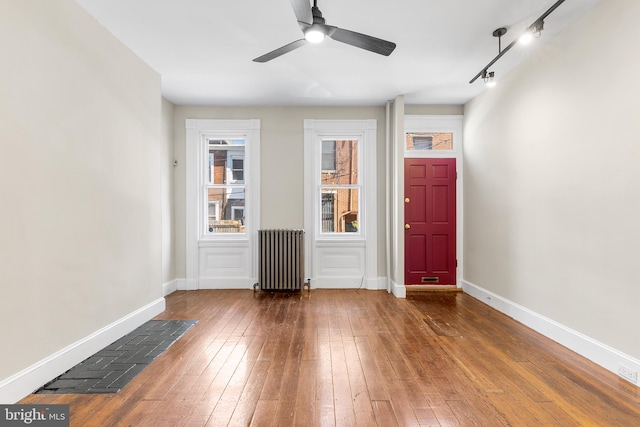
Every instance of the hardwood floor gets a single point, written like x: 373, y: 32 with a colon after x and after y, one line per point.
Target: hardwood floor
x: 357, y: 358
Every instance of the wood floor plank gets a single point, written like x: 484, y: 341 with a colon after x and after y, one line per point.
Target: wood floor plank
x: 264, y: 414
x: 344, y: 410
x: 362, y: 408
x: 250, y: 395
x: 384, y: 413
x: 356, y: 357
x: 375, y: 385
x: 140, y: 414
x: 305, y: 407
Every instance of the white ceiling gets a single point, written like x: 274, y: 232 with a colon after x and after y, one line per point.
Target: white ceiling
x: 203, y: 49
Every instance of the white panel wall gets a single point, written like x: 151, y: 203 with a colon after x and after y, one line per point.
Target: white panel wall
x: 225, y: 265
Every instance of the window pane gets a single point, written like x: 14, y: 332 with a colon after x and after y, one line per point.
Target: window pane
x: 230, y: 210
x: 226, y: 162
x: 328, y: 214
x: 345, y: 166
x: 339, y: 210
x: 328, y: 156
x: 237, y: 170
x: 429, y: 141
x: 237, y: 212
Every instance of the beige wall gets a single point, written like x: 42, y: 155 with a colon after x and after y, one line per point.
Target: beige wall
x: 80, y: 181
x: 168, y: 192
x: 282, y: 159
x: 552, y: 180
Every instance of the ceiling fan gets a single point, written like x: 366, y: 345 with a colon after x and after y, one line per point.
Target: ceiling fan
x: 315, y: 30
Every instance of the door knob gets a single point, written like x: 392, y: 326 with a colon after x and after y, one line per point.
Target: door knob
x: 407, y: 226
x: 407, y: 200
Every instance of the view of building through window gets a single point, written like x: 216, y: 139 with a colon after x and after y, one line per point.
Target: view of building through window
x: 339, y: 186
x: 226, y: 186
x: 429, y: 141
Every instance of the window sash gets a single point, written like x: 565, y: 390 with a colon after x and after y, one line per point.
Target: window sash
x: 225, y: 185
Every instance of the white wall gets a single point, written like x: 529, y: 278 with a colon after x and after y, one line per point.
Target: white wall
x: 552, y: 180
x: 80, y: 182
x: 168, y: 194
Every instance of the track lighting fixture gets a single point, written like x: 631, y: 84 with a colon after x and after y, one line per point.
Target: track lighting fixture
x: 488, y: 77
x: 533, y: 31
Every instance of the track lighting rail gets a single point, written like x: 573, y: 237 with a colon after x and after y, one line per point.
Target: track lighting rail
x: 536, y: 26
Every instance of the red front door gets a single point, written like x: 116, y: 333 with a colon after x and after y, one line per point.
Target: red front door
x: 430, y: 221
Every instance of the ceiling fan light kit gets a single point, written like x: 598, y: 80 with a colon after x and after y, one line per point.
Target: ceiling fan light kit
x: 313, y: 26
x: 314, y: 35
x: 533, y: 31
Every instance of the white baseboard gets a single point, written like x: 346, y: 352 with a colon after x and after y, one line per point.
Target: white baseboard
x: 227, y: 283
x: 230, y: 283
x: 599, y: 353
x: 169, y: 287
x: 188, y: 284
x: 377, y: 284
x: 400, y: 291
x: 23, y: 383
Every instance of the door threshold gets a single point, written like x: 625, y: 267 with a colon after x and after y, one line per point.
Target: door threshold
x: 432, y: 288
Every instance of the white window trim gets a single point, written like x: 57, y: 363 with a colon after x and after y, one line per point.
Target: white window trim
x: 366, y: 238
x: 198, y: 132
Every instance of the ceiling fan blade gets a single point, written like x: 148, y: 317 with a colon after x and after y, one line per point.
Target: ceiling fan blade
x: 363, y: 41
x: 280, y: 51
x: 302, y: 9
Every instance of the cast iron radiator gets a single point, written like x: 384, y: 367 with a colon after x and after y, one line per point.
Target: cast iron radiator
x: 280, y: 259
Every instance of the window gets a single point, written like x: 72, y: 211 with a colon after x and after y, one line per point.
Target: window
x: 237, y: 213
x: 237, y: 170
x: 328, y: 214
x: 432, y: 136
x: 340, y: 215
x: 222, y: 168
x: 328, y: 155
x: 225, y: 185
x: 339, y: 186
x: 429, y: 141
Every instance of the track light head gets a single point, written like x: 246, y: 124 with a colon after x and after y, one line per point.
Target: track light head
x: 533, y: 31
x: 488, y: 77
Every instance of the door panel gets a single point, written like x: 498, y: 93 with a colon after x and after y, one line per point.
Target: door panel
x: 430, y: 221
x: 418, y: 260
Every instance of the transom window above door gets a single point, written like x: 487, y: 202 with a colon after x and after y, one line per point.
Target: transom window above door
x: 432, y: 136
x: 442, y: 141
